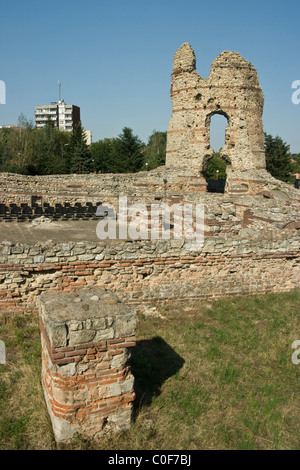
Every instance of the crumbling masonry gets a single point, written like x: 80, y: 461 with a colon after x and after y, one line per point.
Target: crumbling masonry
x: 86, y: 375
x: 232, y: 90
x: 252, y: 232
x: 251, y: 244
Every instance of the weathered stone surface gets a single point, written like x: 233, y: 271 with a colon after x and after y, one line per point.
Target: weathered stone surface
x: 86, y: 375
x: 232, y: 90
x: 78, y: 318
x: 251, y: 233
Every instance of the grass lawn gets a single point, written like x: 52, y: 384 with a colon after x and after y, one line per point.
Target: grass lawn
x: 208, y: 375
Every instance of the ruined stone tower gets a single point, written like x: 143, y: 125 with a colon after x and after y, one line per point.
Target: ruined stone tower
x: 232, y: 90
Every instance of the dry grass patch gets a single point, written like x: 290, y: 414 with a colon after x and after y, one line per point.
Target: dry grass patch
x: 24, y: 421
x: 209, y: 375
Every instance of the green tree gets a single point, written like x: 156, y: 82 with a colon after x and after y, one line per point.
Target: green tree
x: 102, y: 155
x: 278, y: 157
x: 295, y: 162
x: 21, y: 146
x: 50, y: 150
x: 81, y: 159
x: 155, y: 152
x: 79, y: 152
x: 7, y: 135
x: 127, y: 152
x: 216, y: 167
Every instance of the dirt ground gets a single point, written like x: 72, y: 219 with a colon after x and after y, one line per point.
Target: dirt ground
x: 29, y: 233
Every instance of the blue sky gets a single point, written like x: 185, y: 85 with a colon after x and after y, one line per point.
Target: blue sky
x: 115, y: 58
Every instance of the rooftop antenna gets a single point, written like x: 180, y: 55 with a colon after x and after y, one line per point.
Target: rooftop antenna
x: 59, y: 90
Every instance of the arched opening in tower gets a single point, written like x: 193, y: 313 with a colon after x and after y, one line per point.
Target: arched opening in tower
x: 215, y: 164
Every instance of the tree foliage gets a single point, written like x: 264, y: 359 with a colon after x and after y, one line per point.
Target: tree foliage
x: 27, y: 150
x: 102, y: 155
x: 79, y: 152
x: 123, y: 154
x: 127, y: 152
x: 278, y: 157
x: 50, y: 151
x: 155, y: 152
x: 216, y: 167
x: 295, y: 161
x: 16, y: 147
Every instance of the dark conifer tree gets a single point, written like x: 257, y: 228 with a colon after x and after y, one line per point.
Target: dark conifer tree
x: 278, y: 157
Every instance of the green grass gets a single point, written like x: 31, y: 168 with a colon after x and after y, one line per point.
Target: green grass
x: 208, y: 375
x: 24, y: 423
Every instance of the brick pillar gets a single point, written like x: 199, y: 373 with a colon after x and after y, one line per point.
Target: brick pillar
x: 86, y: 339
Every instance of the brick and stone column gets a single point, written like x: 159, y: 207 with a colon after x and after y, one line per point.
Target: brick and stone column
x: 87, y: 381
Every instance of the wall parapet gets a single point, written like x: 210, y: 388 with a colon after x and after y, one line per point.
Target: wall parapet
x: 151, y: 271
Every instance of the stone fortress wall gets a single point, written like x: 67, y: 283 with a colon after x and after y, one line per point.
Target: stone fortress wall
x: 251, y: 231
x: 251, y: 245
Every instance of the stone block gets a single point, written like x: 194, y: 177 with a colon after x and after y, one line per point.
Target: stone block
x: 86, y: 374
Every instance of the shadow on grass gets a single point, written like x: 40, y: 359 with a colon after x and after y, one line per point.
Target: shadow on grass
x: 152, y: 363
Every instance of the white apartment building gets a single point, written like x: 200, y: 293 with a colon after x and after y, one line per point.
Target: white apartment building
x: 64, y: 116
x: 88, y: 136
